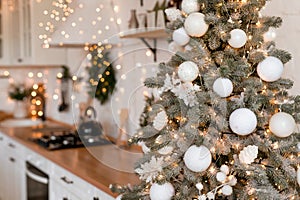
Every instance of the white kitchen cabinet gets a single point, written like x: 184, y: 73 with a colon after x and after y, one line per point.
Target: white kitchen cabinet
x: 13, y: 176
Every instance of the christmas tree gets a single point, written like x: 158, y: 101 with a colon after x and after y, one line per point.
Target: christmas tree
x: 224, y: 126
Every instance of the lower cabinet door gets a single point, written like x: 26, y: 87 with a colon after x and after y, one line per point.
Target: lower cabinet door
x: 59, y: 192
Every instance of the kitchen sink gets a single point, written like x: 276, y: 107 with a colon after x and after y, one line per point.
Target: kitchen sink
x: 24, y: 122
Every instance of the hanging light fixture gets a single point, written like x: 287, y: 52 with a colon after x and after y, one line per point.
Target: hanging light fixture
x: 91, y: 22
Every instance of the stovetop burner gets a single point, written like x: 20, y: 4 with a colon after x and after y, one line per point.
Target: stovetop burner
x: 68, y: 139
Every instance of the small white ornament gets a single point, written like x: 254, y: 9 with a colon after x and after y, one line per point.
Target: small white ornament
x: 202, y: 197
x: 174, y: 47
x: 197, y: 159
x: 282, y: 124
x: 248, y: 154
x: 270, y: 69
x: 270, y: 35
x: 210, y: 195
x: 232, y: 180
x: 221, y: 176
x: 242, y: 121
x: 188, y: 71
x: 298, y: 176
x: 119, y: 197
x: 189, y: 6
x: 223, y: 87
x: 298, y: 146
x: 199, y: 186
x: 227, y: 190
x: 180, y: 36
x: 160, y: 121
x: 238, y: 38
x: 195, y: 24
x: 225, y: 169
x: 173, y: 14
x: 162, y: 192
x: 166, y: 150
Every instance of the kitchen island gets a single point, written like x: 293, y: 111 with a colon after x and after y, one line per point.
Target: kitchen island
x: 96, y: 166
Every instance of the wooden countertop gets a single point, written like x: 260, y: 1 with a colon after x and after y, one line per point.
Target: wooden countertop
x: 99, y: 166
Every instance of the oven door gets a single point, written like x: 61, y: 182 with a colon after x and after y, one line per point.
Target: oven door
x: 37, y: 183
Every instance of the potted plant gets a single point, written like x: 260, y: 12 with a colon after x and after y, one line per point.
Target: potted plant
x: 19, y: 93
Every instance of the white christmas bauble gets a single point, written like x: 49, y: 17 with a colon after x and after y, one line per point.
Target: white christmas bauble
x: 199, y: 186
x: 232, y: 180
x: 270, y: 35
x: 188, y: 71
x: 180, y: 36
x: 298, y: 146
x: 162, y: 192
x: 242, y: 121
x: 225, y: 169
x: 119, y: 197
x: 298, y: 176
x: 282, y: 124
x: 270, y: 69
x: 174, y: 47
x: 238, y: 38
x: 173, y: 14
x: 248, y: 154
x: 223, y: 87
x: 195, y: 25
x: 227, y: 190
x: 197, y: 159
x: 189, y: 6
x: 160, y: 121
x: 210, y: 195
x: 221, y: 176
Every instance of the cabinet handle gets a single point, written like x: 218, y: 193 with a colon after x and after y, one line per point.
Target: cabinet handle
x: 12, y: 160
x: 65, y: 179
x: 96, y: 198
x: 1, y: 138
x: 11, y: 145
x: 65, y: 198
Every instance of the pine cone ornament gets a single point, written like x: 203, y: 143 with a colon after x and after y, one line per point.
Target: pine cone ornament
x: 248, y: 154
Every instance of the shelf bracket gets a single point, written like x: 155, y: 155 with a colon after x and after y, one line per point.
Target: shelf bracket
x: 152, y: 49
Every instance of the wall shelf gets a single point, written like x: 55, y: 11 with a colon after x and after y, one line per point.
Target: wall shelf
x: 147, y: 34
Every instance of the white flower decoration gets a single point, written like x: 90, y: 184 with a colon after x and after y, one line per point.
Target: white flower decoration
x: 149, y: 170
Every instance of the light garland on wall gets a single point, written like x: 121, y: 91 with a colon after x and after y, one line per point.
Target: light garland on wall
x: 79, y: 23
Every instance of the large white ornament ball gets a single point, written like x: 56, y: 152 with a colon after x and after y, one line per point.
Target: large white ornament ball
x: 270, y: 69
x: 188, y: 71
x: 162, y: 192
x: 197, y: 159
x: 119, y: 197
x: 242, y: 121
x: 195, y: 25
x: 238, y: 38
x: 223, y: 87
x: 270, y: 35
x: 298, y: 176
x: 189, y: 6
x: 227, y: 190
x: 180, y: 36
x: 174, y: 47
x: 282, y: 124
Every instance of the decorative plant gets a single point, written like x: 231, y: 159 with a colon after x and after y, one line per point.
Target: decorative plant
x: 18, y: 91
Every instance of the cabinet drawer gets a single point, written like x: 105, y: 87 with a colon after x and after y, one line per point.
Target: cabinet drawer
x: 38, y: 161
